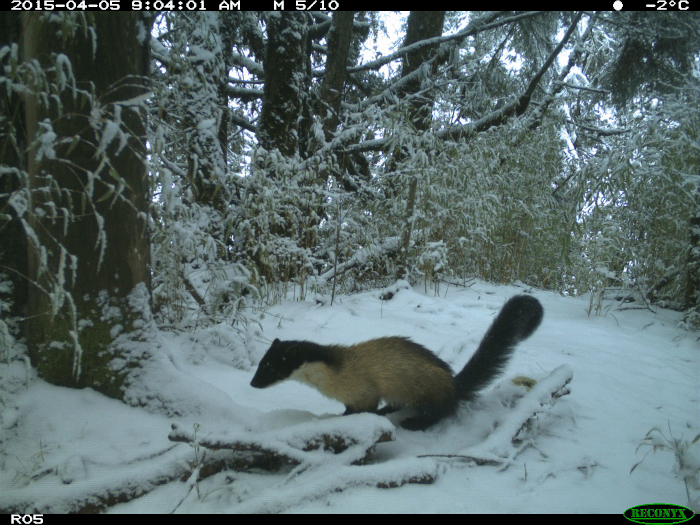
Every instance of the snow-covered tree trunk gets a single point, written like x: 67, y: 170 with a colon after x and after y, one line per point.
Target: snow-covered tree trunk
x: 13, y: 247
x: 88, y: 236
x: 284, y: 120
x: 203, y: 103
x: 420, y: 26
x: 692, y: 298
x: 284, y: 196
x: 339, y: 38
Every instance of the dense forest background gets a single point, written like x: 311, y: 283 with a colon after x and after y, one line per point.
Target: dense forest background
x: 175, y: 170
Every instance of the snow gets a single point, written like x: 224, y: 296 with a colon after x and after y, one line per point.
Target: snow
x: 46, y: 142
x: 632, y: 370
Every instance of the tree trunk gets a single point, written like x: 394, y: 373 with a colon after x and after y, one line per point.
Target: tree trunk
x: 13, y: 248
x: 421, y: 25
x: 338, y: 39
x: 204, y: 107
x: 354, y: 167
x: 692, y: 273
x: 284, y: 125
x: 285, y: 115
x: 89, y: 243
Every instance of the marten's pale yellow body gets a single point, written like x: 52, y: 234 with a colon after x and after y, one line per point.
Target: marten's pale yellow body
x: 392, y: 369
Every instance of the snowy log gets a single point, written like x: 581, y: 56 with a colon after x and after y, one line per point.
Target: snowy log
x: 327, y: 453
x: 88, y: 495
x: 350, y: 437
x: 326, y: 479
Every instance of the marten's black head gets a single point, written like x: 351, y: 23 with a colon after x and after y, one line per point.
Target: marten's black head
x: 284, y: 357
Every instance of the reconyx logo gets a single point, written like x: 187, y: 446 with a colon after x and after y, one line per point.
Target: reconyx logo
x: 658, y: 513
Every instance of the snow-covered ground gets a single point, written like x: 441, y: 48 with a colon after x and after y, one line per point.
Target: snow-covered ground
x: 632, y: 370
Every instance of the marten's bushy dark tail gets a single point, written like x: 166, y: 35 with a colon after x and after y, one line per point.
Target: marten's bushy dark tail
x: 516, y: 321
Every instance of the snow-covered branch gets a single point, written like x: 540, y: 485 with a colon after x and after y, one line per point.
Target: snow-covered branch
x: 498, y: 448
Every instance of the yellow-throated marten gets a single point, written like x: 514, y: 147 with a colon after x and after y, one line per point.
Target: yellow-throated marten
x: 399, y: 371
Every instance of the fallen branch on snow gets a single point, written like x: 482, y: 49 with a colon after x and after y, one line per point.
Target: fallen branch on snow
x: 498, y: 448
x: 352, y: 437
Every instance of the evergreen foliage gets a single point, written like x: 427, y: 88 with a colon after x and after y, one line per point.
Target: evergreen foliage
x: 556, y: 149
